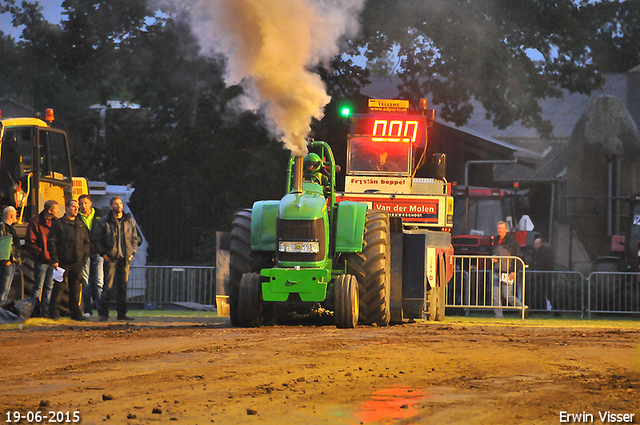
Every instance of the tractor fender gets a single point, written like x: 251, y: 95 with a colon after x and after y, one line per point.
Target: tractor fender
x: 350, y: 223
x: 263, y: 225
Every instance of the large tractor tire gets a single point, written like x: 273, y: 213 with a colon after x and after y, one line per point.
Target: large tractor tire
x: 250, y: 301
x: 346, y: 301
x: 242, y: 259
x: 371, y: 267
x: 240, y: 256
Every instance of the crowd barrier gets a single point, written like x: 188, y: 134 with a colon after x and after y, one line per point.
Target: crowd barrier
x: 476, y: 285
x: 544, y: 291
x: 172, y: 284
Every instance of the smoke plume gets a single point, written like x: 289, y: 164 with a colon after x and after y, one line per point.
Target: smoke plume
x: 270, y: 46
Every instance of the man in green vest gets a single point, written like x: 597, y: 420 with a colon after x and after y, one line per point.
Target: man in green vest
x: 93, y: 271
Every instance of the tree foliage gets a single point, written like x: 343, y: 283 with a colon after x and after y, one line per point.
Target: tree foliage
x: 457, y: 50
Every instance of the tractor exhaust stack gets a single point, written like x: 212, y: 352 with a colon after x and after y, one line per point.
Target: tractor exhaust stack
x: 297, y: 174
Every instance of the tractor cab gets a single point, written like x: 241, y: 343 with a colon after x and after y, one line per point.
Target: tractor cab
x: 34, y: 166
x: 367, y: 157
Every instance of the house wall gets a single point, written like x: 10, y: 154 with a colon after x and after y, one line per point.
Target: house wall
x: 603, y: 162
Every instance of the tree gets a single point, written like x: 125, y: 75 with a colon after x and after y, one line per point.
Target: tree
x: 462, y: 49
x: 39, y: 80
x: 182, y: 146
x: 9, y: 67
x: 614, y: 35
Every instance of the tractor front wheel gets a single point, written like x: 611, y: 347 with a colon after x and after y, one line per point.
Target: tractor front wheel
x: 250, y: 301
x: 346, y: 301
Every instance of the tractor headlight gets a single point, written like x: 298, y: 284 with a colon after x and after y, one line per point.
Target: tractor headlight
x: 299, y: 247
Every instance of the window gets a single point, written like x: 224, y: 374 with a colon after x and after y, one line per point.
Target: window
x: 54, y: 155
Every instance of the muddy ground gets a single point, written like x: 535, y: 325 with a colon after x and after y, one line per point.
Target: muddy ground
x: 199, y: 370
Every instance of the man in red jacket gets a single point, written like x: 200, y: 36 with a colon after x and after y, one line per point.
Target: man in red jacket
x: 36, y: 246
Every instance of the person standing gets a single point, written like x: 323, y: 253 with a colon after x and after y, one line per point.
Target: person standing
x: 504, y: 270
x: 10, y: 252
x: 542, y: 281
x: 69, y: 246
x: 116, y: 238
x: 92, y: 273
x: 36, y: 246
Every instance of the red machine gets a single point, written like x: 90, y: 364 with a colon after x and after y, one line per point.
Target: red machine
x: 385, y: 148
x: 478, y: 210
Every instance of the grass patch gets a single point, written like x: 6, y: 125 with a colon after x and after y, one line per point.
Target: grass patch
x: 566, y: 321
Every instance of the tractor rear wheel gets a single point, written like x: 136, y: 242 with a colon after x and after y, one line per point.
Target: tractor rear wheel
x: 242, y: 259
x: 371, y: 267
x: 250, y: 301
x: 346, y: 301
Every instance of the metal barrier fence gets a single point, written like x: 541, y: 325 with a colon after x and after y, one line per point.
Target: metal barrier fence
x: 478, y: 283
x: 483, y: 282
x: 558, y: 292
x: 172, y: 284
x: 614, y: 293
x: 473, y: 286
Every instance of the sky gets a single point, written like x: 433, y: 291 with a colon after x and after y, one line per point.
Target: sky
x: 51, y: 9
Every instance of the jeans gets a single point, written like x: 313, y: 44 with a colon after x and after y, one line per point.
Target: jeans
x: 92, y: 282
x: 506, y: 290
x: 116, y: 275
x: 6, y: 278
x: 42, y: 286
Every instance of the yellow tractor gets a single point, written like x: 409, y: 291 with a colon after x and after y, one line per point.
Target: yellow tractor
x: 34, y: 167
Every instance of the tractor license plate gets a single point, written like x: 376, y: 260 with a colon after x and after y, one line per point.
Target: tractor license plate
x: 299, y: 247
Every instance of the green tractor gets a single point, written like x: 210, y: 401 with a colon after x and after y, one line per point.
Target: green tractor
x: 306, y: 250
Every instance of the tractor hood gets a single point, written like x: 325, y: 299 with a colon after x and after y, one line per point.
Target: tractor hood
x: 308, y: 205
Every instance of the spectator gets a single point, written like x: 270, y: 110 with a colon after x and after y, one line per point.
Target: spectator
x: 116, y: 239
x: 541, y: 283
x: 69, y: 246
x: 504, y: 271
x: 10, y: 252
x: 92, y: 273
x: 36, y: 246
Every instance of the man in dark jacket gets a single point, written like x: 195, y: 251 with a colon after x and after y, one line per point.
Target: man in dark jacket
x: 540, y: 285
x: 504, y: 270
x: 36, y: 246
x: 116, y: 239
x: 12, y: 255
x: 69, y: 249
x: 93, y: 271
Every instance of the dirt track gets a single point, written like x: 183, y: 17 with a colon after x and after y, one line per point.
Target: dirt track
x: 199, y: 371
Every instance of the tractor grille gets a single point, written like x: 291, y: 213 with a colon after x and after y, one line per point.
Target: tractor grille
x: 301, y: 231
